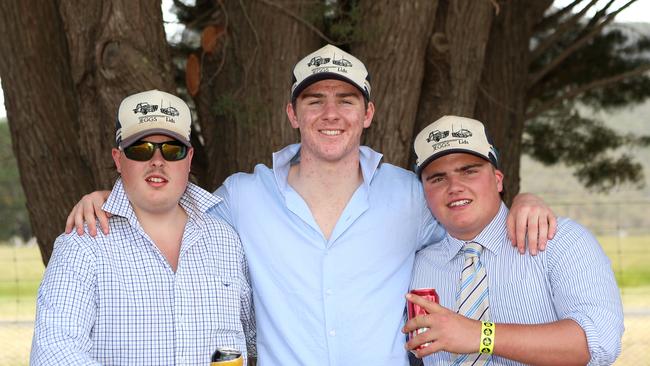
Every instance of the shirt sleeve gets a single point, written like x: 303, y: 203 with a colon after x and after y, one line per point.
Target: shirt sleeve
x: 224, y: 209
x: 431, y: 231
x: 65, y: 309
x: 585, y: 291
x: 247, y: 309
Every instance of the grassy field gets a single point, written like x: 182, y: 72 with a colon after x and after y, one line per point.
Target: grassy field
x: 630, y: 257
x: 21, y: 271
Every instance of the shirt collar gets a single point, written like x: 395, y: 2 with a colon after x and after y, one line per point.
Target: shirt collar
x: 195, y: 201
x: 283, y: 159
x: 492, y: 237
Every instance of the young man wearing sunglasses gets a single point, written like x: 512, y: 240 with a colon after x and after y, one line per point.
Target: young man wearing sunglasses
x: 170, y: 283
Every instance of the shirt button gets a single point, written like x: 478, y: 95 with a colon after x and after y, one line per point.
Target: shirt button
x: 332, y: 333
x: 329, y: 292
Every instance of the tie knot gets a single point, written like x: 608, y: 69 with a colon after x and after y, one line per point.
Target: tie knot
x: 472, y: 249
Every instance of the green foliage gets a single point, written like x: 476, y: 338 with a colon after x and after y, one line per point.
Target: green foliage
x: 15, y: 221
x: 563, y: 134
x: 592, y: 148
x: 341, y: 20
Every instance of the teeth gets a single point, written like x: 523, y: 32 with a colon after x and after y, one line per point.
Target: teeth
x: 331, y: 132
x: 459, y: 203
x: 155, y: 180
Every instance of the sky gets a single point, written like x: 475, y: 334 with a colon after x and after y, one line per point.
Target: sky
x: 637, y: 12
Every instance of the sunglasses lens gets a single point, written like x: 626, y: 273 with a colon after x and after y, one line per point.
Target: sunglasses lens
x: 173, y: 152
x: 140, y: 151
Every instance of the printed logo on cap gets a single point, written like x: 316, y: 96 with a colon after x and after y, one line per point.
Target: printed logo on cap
x: 330, y: 62
x: 140, y: 114
x: 453, y: 134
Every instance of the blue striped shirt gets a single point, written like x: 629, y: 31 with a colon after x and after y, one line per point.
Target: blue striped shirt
x: 571, y: 279
x: 116, y: 300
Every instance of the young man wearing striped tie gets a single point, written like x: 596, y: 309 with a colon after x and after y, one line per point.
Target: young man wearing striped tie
x: 497, y: 306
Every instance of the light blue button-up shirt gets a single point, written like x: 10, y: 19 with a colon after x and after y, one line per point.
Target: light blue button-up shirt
x: 115, y: 300
x: 329, y: 302
x: 571, y: 279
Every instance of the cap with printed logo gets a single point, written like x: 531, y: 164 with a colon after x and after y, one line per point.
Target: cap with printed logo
x: 330, y: 62
x: 453, y: 134
x: 150, y: 113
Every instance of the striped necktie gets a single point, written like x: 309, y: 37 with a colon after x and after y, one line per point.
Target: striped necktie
x: 472, y: 299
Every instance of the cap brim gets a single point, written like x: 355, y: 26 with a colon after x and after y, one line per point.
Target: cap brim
x: 154, y: 131
x: 324, y: 76
x: 420, y: 168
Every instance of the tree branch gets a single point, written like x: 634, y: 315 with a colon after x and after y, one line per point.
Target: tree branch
x: 301, y: 20
x: 560, y: 31
x: 536, y: 77
x: 571, y: 94
x: 552, y: 20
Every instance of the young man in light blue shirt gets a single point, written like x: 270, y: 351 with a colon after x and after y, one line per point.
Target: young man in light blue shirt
x: 559, y: 307
x: 330, y: 231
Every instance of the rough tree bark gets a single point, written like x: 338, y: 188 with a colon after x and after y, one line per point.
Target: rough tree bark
x: 454, y: 61
x: 502, y: 99
x: 64, y: 69
x: 242, y: 99
x: 394, y: 41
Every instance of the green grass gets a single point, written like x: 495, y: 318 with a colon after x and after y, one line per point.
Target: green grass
x: 630, y: 257
x: 21, y: 271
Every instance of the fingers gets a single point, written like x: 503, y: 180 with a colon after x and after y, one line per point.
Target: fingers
x: 521, y: 222
x: 69, y: 222
x: 86, y: 215
x: 510, y: 225
x: 552, y: 226
x: 430, y: 306
x: 425, y: 338
x: 532, y: 224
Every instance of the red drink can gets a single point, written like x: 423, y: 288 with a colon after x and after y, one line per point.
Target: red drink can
x: 414, y: 310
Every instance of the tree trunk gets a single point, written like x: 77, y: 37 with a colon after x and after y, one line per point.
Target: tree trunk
x: 454, y: 61
x: 64, y: 71
x: 393, y: 45
x: 501, y: 103
x: 242, y: 98
x: 111, y: 57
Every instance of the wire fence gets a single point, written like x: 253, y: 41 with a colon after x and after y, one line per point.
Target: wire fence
x: 623, y: 228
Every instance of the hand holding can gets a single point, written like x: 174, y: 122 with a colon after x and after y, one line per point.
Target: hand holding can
x: 226, y: 357
x: 414, y: 310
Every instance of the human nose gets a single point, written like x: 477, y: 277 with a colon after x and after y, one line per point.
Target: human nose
x: 455, y: 184
x: 157, y: 158
x: 330, y: 110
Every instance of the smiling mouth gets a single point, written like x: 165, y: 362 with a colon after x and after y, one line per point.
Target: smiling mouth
x: 156, y: 180
x: 331, y: 132
x: 459, y: 203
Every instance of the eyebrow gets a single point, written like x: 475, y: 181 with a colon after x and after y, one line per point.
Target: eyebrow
x: 321, y: 95
x: 461, y: 169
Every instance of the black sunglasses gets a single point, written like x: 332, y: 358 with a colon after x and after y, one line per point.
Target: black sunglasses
x: 144, y: 150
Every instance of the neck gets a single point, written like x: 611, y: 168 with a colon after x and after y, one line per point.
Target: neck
x: 339, y: 173
x: 166, y: 230
x: 326, y: 187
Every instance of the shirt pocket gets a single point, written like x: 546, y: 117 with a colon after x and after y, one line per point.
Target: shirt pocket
x: 223, y: 302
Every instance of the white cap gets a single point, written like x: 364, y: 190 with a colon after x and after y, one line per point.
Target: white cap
x: 150, y: 113
x: 453, y: 134
x: 330, y: 62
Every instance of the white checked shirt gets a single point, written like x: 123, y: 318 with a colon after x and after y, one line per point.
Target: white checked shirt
x: 115, y: 299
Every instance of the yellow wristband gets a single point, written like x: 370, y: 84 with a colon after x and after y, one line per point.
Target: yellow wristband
x: 488, y: 330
